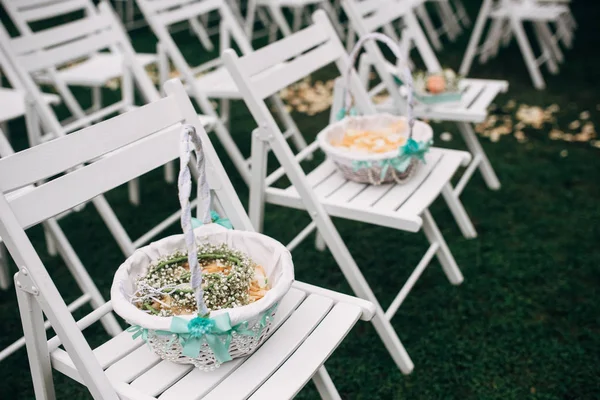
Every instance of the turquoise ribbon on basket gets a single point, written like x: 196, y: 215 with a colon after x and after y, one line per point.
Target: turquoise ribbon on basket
x: 341, y: 114
x: 361, y: 164
x: 215, y: 331
x: 415, y: 149
x: 216, y: 218
x: 411, y: 149
x: 138, y: 331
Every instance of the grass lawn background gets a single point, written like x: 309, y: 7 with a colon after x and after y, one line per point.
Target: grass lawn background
x: 526, y: 321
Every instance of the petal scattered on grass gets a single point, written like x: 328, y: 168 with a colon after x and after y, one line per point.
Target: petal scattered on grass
x: 446, y: 136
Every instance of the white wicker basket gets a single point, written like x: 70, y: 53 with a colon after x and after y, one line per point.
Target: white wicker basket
x: 223, y: 334
x: 394, y: 166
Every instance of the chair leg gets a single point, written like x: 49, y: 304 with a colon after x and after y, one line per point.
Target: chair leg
x: 361, y: 288
x: 250, y: 16
x: 325, y: 385
x: 547, y: 52
x: 96, y: 98
x: 114, y: 225
x: 546, y: 34
x: 462, y: 14
x: 133, y: 188
x: 225, y: 138
x: 333, y: 17
x: 225, y: 113
x: 530, y: 61
x: 82, y: 277
x: 297, y: 22
x: 480, y: 23
x: 429, y: 28
x: 320, y: 242
x: 485, y: 167
x: 443, y: 252
x: 202, y: 34
x: 449, y: 25
x: 36, y: 343
x: 458, y: 211
x: 492, y: 43
x: 566, y: 36
x: 289, y: 124
x: 50, y: 245
x: 4, y: 268
x: 279, y: 19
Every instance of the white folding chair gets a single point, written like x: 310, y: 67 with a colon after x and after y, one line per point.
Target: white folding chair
x: 90, y: 293
x: 50, y: 48
x: 452, y: 16
x: 371, y: 15
x: 299, y: 8
x: 309, y: 325
x: 93, y: 69
x: 507, y: 18
x: 12, y: 99
x: 324, y: 192
x: 210, y: 79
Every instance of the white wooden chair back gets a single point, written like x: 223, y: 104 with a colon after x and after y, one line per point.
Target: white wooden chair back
x: 371, y: 15
x: 150, y: 135
x: 9, y: 72
x: 291, y: 59
x: 161, y: 15
x: 368, y: 16
x: 54, y: 47
x: 24, y: 13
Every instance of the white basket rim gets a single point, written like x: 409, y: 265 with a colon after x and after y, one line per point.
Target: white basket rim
x: 133, y: 315
x: 421, y: 132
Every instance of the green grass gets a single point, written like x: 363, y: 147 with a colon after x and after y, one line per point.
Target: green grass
x: 524, y: 324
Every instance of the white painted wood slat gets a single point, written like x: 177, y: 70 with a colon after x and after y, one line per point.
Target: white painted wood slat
x: 278, y: 52
x: 316, y: 349
x: 432, y: 187
x: 295, y: 70
x: 60, y: 34
x: 199, y: 382
x: 400, y: 193
x: 74, y: 50
x: 44, y: 12
x: 346, y: 192
x: 116, y: 348
x: 258, y: 367
x: 330, y: 185
x: 187, y: 12
x: 132, y: 366
x: 66, y: 152
x: 316, y: 176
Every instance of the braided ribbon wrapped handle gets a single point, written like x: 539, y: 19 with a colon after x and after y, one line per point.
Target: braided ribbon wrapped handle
x: 190, y: 141
x: 348, y: 101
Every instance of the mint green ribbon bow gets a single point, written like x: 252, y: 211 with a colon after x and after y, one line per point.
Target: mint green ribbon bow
x: 342, y: 113
x: 415, y: 149
x: 215, y: 331
x: 242, y: 329
x: 216, y: 218
x: 411, y: 149
x: 356, y: 165
x: 138, y: 331
x: 399, y: 163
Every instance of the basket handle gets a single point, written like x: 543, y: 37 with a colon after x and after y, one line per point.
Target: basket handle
x: 349, y: 100
x: 190, y: 141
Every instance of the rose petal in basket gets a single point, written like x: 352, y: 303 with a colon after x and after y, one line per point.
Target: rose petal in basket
x: 367, y: 167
